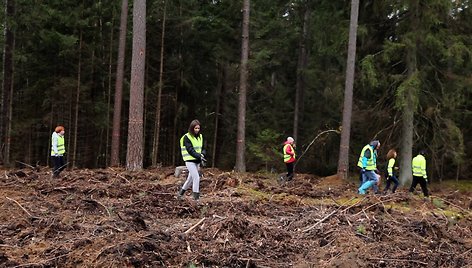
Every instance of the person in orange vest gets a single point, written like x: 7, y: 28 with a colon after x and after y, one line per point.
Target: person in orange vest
x: 289, y: 157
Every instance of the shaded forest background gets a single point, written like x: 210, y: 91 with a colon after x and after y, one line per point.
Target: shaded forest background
x: 65, y: 56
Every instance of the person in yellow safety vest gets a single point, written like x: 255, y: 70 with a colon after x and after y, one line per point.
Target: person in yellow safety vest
x: 391, y: 177
x: 58, y: 149
x: 368, y: 167
x: 289, y: 157
x: 418, y: 166
x: 191, y: 146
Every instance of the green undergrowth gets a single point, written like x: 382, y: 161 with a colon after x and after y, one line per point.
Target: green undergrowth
x: 463, y: 186
x: 451, y: 213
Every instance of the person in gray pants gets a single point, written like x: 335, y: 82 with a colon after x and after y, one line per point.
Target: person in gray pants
x: 191, y: 146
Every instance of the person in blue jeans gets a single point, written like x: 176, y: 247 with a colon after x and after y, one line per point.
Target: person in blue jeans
x: 368, y: 166
x: 391, y: 178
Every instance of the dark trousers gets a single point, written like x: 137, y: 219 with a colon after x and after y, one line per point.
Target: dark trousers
x: 391, y: 179
x: 59, y: 165
x: 290, y: 170
x: 423, y: 184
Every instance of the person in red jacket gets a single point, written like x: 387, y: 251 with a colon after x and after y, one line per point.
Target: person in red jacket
x: 289, y: 157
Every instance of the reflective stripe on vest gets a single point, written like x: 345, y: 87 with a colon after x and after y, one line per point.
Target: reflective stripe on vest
x: 371, y: 162
x: 418, y: 165
x: 197, y: 144
x: 61, y: 146
x: 287, y: 156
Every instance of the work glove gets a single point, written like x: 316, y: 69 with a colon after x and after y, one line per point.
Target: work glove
x: 425, y: 179
x: 203, y: 159
x: 363, y: 170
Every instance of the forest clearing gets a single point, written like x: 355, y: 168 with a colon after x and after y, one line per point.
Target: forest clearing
x: 114, y: 218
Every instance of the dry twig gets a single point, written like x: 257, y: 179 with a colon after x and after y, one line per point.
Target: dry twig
x: 24, y: 209
x: 43, y: 263
x: 404, y: 260
x: 195, y: 225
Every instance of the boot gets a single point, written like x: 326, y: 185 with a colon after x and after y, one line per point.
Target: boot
x: 196, y: 196
x: 181, y: 194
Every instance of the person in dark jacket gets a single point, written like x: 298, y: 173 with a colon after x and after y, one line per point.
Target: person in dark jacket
x: 418, y: 166
x: 391, y: 177
x: 191, y: 146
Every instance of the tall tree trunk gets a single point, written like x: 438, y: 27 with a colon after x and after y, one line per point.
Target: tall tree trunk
x: 240, y: 165
x: 219, y: 101
x: 77, y: 99
x: 407, y: 99
x: 135, y: 152
x: 301, y: 67
x: 157, y: 126
x: 115, y: 140
x: 343, y: 162
x: 7, y: 85
x: 110, y: 67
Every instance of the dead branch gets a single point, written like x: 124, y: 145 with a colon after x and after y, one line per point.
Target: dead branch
x: 26, y: 164
x: 467, y: 251
x: 375, y: 204
x: 29, y: 214
x: 9, y: 246
x: 195, y: 226
x: 452, y: 204
x: 404, y: 260
x: 329, y: 215
x: 42, y: 262
x: 365, y: 236
x: 218, y: 216
x: 355, y: 204
x: 122, y: 177
x: 188, y: 247
x: 320, y: 221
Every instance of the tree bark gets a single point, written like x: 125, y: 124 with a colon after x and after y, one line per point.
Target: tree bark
x: 408, y: 102
x: 110, y: 67
x: 240, y: 165
x: 115, y: 140
x: 302, y: 64
x: 77, y: 99
x: 135, y: 152
x: 220, y: 96
x: 343, y: 162
x: 157, y: 126
x: 7, y: 87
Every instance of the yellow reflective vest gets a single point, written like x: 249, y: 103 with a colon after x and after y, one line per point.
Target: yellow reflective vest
x: 390, y: 165
x: 60, y: 146
x: 418, y: 165
x: 197, y: 144
x: 371, y: 163
x: 287, y: 157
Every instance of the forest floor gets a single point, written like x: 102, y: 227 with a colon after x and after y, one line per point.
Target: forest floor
x: 112, y: 218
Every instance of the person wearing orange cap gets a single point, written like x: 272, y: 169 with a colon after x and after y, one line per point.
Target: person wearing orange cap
x: 289, y: 157
x: 58, y: 149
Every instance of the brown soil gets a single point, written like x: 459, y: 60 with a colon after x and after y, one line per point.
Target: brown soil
x: 112, y: 218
